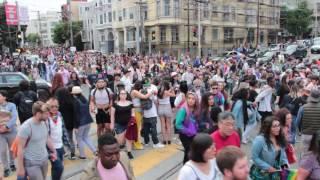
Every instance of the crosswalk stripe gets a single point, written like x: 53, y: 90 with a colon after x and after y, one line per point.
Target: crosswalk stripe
x: 152, y: 158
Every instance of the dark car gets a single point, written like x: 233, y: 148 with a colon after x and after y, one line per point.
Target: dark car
x: 296, y: 51
x: 10, y: 81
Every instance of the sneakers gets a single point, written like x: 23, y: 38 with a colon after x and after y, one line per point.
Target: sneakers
x: 82, y: 158
x: 130, y: 156
x: 72, y: 156
x: 159, y: 145
x: 7, y: 173
x: 13, y: 168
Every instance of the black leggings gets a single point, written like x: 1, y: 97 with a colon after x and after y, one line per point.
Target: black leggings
x: 186, y: 141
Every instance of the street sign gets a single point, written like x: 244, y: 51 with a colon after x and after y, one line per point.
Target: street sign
x: 73, y: 49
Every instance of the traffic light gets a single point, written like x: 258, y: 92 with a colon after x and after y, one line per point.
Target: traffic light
x: 19, y: 36
x: 195, y: 32
x: 153, y: 35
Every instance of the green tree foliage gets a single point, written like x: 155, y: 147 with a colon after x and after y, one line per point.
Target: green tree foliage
x: 298, y: 20
x: 61, y: 33
x: 33, y: 37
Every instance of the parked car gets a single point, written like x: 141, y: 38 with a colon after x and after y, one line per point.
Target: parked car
x: 258, y: 53
x: 229, y: 54
x: 315, y: 49
x: 10, y: 81
x: 296, y: 51
x: 275, y: 47
x: 267, y: 57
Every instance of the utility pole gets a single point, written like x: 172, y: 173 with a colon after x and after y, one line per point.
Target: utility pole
x: 188, y: 25
x: 316, y: 21
x: 258, y: 24
x: 19, y: 25
x: 39, y: 20
x: 141, y: 6
x: 70, y: 21
x: 199, y: 24
x: 199, y: 29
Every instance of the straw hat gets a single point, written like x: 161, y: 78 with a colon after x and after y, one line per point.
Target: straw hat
x: 76, y: 90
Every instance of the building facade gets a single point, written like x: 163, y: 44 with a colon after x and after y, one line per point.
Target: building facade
x: 162, y: 26
x: 44, y: 27
x: 97, y: 25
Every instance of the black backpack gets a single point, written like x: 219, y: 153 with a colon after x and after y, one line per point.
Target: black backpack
x: 146, y: 104
x: 25, y: 104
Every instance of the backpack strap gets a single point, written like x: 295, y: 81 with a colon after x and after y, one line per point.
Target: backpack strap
x: 95, y: 91
x: 194, y: 171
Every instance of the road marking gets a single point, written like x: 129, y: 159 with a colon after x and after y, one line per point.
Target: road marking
x: 150, y: 159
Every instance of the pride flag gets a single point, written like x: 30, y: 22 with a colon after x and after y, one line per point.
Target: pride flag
x: 289, y: 174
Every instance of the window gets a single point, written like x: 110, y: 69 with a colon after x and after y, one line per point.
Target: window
x: 145, y: 12
x: 105, y: 17
x: 158, y: 8
x: 261, y: 37
x: 176, y: 8
x: 233, y: 13
x: 131, y: 36
x: 205, y: 12
x: 215, y: 34
x: 226, y: 13
x: 101, y: 19
x: 103, y: 38
x: 228, y: 35
x: 251, y: 16
x: 110, y: 16
x: 114, y: 16
x: 175, y: 34
x: 318, y: 7
x: 214, y: 11
x: 162, y: 34
x: 131, y: 16
x: 120, y: 16
x: 250, y: 36
x: 13, y: 79
x: 166, y: 7
x: 124, y: 13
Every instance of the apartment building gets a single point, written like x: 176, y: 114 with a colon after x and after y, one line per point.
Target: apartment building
x: 44, y: 28
x: 97, y: 25
x: 162, y: 26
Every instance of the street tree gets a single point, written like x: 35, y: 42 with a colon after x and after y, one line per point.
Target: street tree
x: 33, y: 38
x: 61, y: 34
x: 298, y: 20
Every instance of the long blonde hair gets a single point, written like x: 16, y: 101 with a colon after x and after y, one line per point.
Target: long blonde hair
x: 294, y: 91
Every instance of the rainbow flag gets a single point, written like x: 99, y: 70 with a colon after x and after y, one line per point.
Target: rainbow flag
x: 289, y: 174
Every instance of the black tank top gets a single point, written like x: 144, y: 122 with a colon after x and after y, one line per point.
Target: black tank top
x: 122, y: 114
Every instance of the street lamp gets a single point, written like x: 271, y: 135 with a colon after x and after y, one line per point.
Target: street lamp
x: 199, y: 24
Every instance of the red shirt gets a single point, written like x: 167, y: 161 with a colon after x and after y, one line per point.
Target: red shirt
x: 222, y: 142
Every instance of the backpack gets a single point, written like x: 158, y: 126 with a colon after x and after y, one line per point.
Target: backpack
x: 135, y: 76
x: 146, y: 104
x: 106, y: 89
x: 25, y: 104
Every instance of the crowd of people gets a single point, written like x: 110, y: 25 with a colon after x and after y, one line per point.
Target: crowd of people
x: 214, y: 107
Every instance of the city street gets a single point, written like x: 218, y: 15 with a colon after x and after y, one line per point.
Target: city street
x: 151, y: 164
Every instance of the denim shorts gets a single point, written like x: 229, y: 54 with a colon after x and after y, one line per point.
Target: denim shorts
x: 119, y: 128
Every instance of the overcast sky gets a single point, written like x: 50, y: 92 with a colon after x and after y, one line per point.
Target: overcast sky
x: 40, y: 5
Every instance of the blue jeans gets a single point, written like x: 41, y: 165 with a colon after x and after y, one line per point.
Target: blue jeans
x: 57, y: 165
x: 293, y: 130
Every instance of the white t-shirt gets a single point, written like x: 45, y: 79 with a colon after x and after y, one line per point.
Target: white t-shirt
x: 101, y: 96
x: 56, y: 132
x: 190, y: 172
